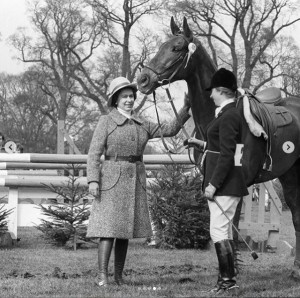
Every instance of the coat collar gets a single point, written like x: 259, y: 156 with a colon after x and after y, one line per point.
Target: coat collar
x: 120, y: 119
x: 225, y: 108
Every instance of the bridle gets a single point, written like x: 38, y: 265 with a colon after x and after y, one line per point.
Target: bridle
x: 167, y: 82
x: 180, y: 58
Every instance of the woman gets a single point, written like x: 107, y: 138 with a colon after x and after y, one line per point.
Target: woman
x: 120, y: 209
x: 223, y: 176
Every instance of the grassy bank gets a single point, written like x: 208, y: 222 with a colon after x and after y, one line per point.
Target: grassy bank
x: 34, y: 269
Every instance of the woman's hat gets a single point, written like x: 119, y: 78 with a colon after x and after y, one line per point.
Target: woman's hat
x: 118, y: 84
x: 223, y: 78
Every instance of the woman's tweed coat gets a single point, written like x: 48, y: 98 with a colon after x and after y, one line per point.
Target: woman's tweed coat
x: 122, y: 209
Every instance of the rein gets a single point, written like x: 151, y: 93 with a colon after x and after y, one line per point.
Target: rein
x: 169, y: 151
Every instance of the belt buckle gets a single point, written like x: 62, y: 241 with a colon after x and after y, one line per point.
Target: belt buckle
x: 131, y: 159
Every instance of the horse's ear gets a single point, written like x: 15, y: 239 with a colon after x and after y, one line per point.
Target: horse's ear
x: 186, y: 30
x: 174, y: 28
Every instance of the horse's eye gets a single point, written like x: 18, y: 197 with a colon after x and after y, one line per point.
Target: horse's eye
x: 175, y: 49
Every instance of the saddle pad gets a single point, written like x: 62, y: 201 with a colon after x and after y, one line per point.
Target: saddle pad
x: 280, y: 116
x: 270, y: 116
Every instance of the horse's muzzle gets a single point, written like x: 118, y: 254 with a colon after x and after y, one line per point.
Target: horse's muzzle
x: 145, y: 84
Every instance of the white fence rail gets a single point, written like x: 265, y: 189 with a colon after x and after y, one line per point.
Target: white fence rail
x: 22, y: 177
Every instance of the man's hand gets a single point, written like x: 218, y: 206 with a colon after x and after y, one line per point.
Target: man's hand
x: 94, y: 189
x: 209, y: 192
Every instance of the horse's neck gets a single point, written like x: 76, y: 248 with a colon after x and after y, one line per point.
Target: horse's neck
x: 202, y: 105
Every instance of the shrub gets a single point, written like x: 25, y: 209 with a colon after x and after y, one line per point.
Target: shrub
x: 67, y: 220
x: 3, y: 218
x: 180, y: 216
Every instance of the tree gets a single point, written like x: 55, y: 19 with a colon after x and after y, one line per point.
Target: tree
x: 67, y: 221
x: 118, y: 25
x: 29, y: 117
x: 122, y: 24
x: 179, y: 213
x: 291, y: 68
x: 65, y: 33
x: 22, y: 109
x: 241, y: 30
x: 4, y: 213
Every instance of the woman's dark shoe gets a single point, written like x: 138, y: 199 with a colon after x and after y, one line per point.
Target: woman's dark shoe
x: 225, y: 286
x: 102, y: 281
x: 217, y: 285
x: 119, y: 281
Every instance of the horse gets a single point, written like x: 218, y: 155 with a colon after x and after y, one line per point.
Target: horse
x: 182, y: 57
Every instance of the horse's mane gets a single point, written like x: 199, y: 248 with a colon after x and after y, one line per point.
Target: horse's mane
x: 208, y: 57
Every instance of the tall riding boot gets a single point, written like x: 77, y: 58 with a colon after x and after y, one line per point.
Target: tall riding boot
x: 104, y: 251
x: 226, y: 279
x: 121, y: 246
x: 236, y: 256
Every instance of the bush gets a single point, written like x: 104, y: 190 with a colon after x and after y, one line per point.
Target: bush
x: 67, y: 220
x: 3, y: 218
x: 180, y: 216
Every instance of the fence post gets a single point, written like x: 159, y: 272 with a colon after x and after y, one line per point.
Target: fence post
x: 275, y: 214
x: 13, y: 198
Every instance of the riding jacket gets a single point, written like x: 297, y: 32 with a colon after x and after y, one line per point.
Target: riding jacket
x: 223, y: 160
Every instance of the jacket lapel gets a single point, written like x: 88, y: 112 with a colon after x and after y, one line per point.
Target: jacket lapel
x: 228, y: 106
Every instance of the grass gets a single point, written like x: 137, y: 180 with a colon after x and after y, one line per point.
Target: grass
x: 35, y: 269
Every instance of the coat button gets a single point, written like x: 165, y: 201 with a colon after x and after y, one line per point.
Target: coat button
x: 130, y: 122
x: 132, y: 138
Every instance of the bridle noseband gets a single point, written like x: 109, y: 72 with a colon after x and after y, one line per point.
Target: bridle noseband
x: 160, y: 81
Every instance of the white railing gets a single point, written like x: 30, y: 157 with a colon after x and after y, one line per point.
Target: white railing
x: 22, y: 177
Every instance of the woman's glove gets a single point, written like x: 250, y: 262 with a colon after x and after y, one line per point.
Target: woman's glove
x: 196, y: 143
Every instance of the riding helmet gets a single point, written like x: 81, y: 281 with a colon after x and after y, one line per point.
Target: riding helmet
x: 223, y: 78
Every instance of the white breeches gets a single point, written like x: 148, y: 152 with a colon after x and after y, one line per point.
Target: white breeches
x: 220, y: 228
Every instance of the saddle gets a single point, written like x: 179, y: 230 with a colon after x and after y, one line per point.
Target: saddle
x: 266, y: 107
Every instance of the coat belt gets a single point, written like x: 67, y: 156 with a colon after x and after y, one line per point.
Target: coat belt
x: 130, y: 158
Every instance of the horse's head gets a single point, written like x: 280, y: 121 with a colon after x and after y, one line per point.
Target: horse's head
x: 182, y: 57
x: 172, y: 62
